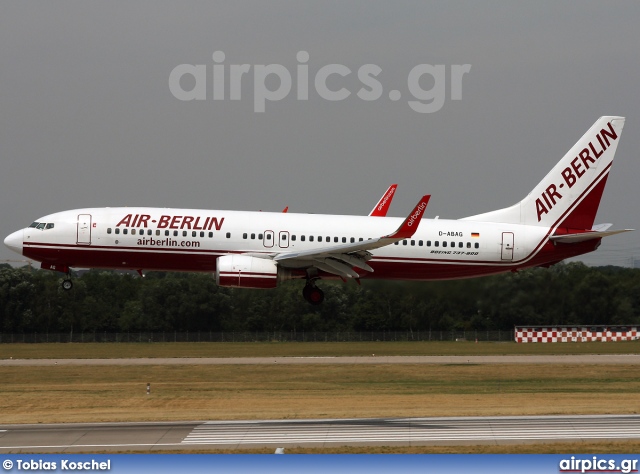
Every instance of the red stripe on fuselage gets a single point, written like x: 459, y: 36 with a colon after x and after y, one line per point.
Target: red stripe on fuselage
x: 401, y: 269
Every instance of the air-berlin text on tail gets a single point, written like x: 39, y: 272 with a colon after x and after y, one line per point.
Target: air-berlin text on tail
x: 172, y: 222
x: 386, y: 198
x: 579, y: 166
x: 416, y: 215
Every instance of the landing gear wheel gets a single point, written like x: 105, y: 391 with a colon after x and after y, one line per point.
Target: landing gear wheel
x: 313, y: 294
x: 67, y: 285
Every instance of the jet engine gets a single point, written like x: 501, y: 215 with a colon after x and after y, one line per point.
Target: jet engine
x: 244, y: 271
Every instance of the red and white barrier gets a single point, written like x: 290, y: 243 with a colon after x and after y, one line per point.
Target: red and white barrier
x: 576, y: 334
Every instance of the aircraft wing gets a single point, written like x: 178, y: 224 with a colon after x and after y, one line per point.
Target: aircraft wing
x: 381, y: 209
x: 340, y: 259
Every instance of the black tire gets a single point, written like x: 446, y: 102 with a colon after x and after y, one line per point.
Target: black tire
x: 316, y: 296
x: 67, y: 285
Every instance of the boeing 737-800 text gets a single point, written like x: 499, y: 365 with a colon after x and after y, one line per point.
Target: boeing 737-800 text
x: 553, y: 222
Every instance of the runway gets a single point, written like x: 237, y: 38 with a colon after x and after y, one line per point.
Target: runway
x: 319, y: 433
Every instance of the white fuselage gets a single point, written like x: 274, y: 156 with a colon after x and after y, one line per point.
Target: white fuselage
x: 192, y: 240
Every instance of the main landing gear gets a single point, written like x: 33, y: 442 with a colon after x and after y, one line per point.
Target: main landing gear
x: 312, y: 293
x: 67, y: 284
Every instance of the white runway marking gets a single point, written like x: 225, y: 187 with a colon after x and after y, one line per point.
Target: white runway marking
x: 337, y: 432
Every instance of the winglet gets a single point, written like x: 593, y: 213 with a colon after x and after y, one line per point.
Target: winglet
x: 381, y: 209
x: 410, y: 224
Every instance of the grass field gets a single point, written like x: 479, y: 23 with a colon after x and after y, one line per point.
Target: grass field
x: 184, y: 392
x: 118, y: 393
x: 297, y: 349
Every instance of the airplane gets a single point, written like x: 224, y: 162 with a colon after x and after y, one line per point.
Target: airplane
x: 553, y: 222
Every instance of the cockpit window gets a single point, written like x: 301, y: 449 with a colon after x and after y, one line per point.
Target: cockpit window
x: 35, y: 224
x: 41, y: 226
x: 50, y: 226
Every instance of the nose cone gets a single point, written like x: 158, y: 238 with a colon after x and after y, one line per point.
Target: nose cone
x: 14, y: 241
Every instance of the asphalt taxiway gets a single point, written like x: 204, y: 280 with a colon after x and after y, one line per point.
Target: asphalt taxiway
x: 632, y: 359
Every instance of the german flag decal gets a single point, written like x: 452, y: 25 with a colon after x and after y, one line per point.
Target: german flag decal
x: 475, y: 234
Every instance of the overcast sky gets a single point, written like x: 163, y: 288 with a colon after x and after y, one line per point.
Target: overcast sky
x: 88, y: 119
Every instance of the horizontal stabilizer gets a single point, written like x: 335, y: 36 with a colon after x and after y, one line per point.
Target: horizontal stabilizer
x: 584, y: 236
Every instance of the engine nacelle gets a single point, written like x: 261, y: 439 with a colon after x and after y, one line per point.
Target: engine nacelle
x: 243, y: 271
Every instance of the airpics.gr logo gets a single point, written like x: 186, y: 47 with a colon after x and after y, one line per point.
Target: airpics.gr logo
x: 424, y: 101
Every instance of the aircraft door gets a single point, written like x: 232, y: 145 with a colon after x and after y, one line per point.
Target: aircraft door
x: 284, y: 239
x: 507, y: 246
x: 268, y: 238
x: 84, y: 229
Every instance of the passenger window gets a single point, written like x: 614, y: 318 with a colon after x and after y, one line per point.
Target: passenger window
x: 428, y: 243
x: 344, y: 240
x: 404, y: 242
x: 150, y: 232
x: 302, y: 238
x: 436, y: 243
x: 335, y: 239
x: 293, y: 237
x: 419, y: 243
x: 268, y: 236
x: 109, y: 230
x: 444, y: 244
x: 477, y: 245
x: 460, y: 245
x: 413, y: 243
x: 166, y: 233
x: 468, y: 245
x: 259, y: 236
x: 124, y: 231
x: 211, y: 235
x: 117, y: 230
x: 194, y: 234
x: 311, y: 238
x: 201, y: 234
x: 253, y: 236
x: 133, y: 232
x: 184, y: 233
x: 360, y: 239
x: 284, y: 236
x: 352, y: 240
x: 228, y: 235
x: 175, y: 233
x: 244, y: 236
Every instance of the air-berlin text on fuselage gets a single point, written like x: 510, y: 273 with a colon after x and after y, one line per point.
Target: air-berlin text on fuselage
x: 579, y: 166
x: 416, y: 215
x: 172, y: 222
